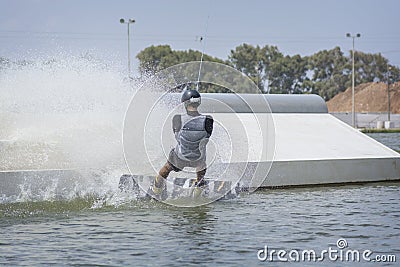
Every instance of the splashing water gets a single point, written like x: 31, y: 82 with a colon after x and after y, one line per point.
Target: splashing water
x: 65, y: 114
x: 61, y: 130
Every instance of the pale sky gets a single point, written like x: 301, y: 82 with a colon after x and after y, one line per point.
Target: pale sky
x: 41, y: 27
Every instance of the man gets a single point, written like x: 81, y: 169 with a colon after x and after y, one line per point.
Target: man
x: 192, y: 131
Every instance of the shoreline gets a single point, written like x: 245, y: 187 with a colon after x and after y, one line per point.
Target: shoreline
x: 374, y: 130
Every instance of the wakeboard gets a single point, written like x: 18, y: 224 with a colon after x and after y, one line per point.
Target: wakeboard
x: 176, y: 187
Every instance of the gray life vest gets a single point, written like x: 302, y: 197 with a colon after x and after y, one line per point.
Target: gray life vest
x: 192, y: 138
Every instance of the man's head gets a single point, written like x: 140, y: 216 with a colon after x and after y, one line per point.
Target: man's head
x: 191, y: 99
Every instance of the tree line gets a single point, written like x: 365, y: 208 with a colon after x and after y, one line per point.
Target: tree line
x: 325, y: 73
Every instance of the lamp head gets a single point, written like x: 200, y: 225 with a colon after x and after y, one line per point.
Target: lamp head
x: 122, y: 21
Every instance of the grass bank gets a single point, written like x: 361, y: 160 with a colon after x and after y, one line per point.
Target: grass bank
x: 395, y: 130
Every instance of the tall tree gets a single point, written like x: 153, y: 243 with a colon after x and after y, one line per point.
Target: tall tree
x: 269, y: 55
x: 249, y: 60
x: 370, y: 67
x: 287, y: 75
x: 329, y: 71
x: 326, y: 72
x: 155, y: 58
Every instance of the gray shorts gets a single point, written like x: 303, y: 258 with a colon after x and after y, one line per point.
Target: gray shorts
x: 178, y: 164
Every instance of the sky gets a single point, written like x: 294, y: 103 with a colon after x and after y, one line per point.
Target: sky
x: 42, y: 27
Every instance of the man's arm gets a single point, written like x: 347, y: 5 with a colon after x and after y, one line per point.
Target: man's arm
x: 209, y: 124
x: 176, y: 124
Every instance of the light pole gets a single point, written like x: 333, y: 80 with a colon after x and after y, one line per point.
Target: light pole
x: 388, y: 91
x: 352, y: 82
x: 130, y: 21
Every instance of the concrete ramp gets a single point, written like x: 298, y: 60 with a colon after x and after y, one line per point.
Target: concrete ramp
x: 320, y: 149
x: 312, y: 147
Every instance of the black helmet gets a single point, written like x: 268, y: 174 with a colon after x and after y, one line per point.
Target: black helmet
x: 191, y: 97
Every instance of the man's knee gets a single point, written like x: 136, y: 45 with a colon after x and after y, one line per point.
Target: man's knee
x: 201, y: 173
x: 165, y: 170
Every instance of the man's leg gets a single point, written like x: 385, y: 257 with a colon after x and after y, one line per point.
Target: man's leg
x: 201, y: 184
x: 165, y: 170
x: 201, y: 172
x: 163, y: 174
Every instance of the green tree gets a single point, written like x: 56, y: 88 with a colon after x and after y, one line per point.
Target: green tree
x: 269, y: 69
x: 153, y: 58
x: 156, y: 58
x: 329, y: 71
x: 325, y: 73
x: 269, y: 55
x: 288, y: 75
x: 370, y: 67
x: 250, y: 60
